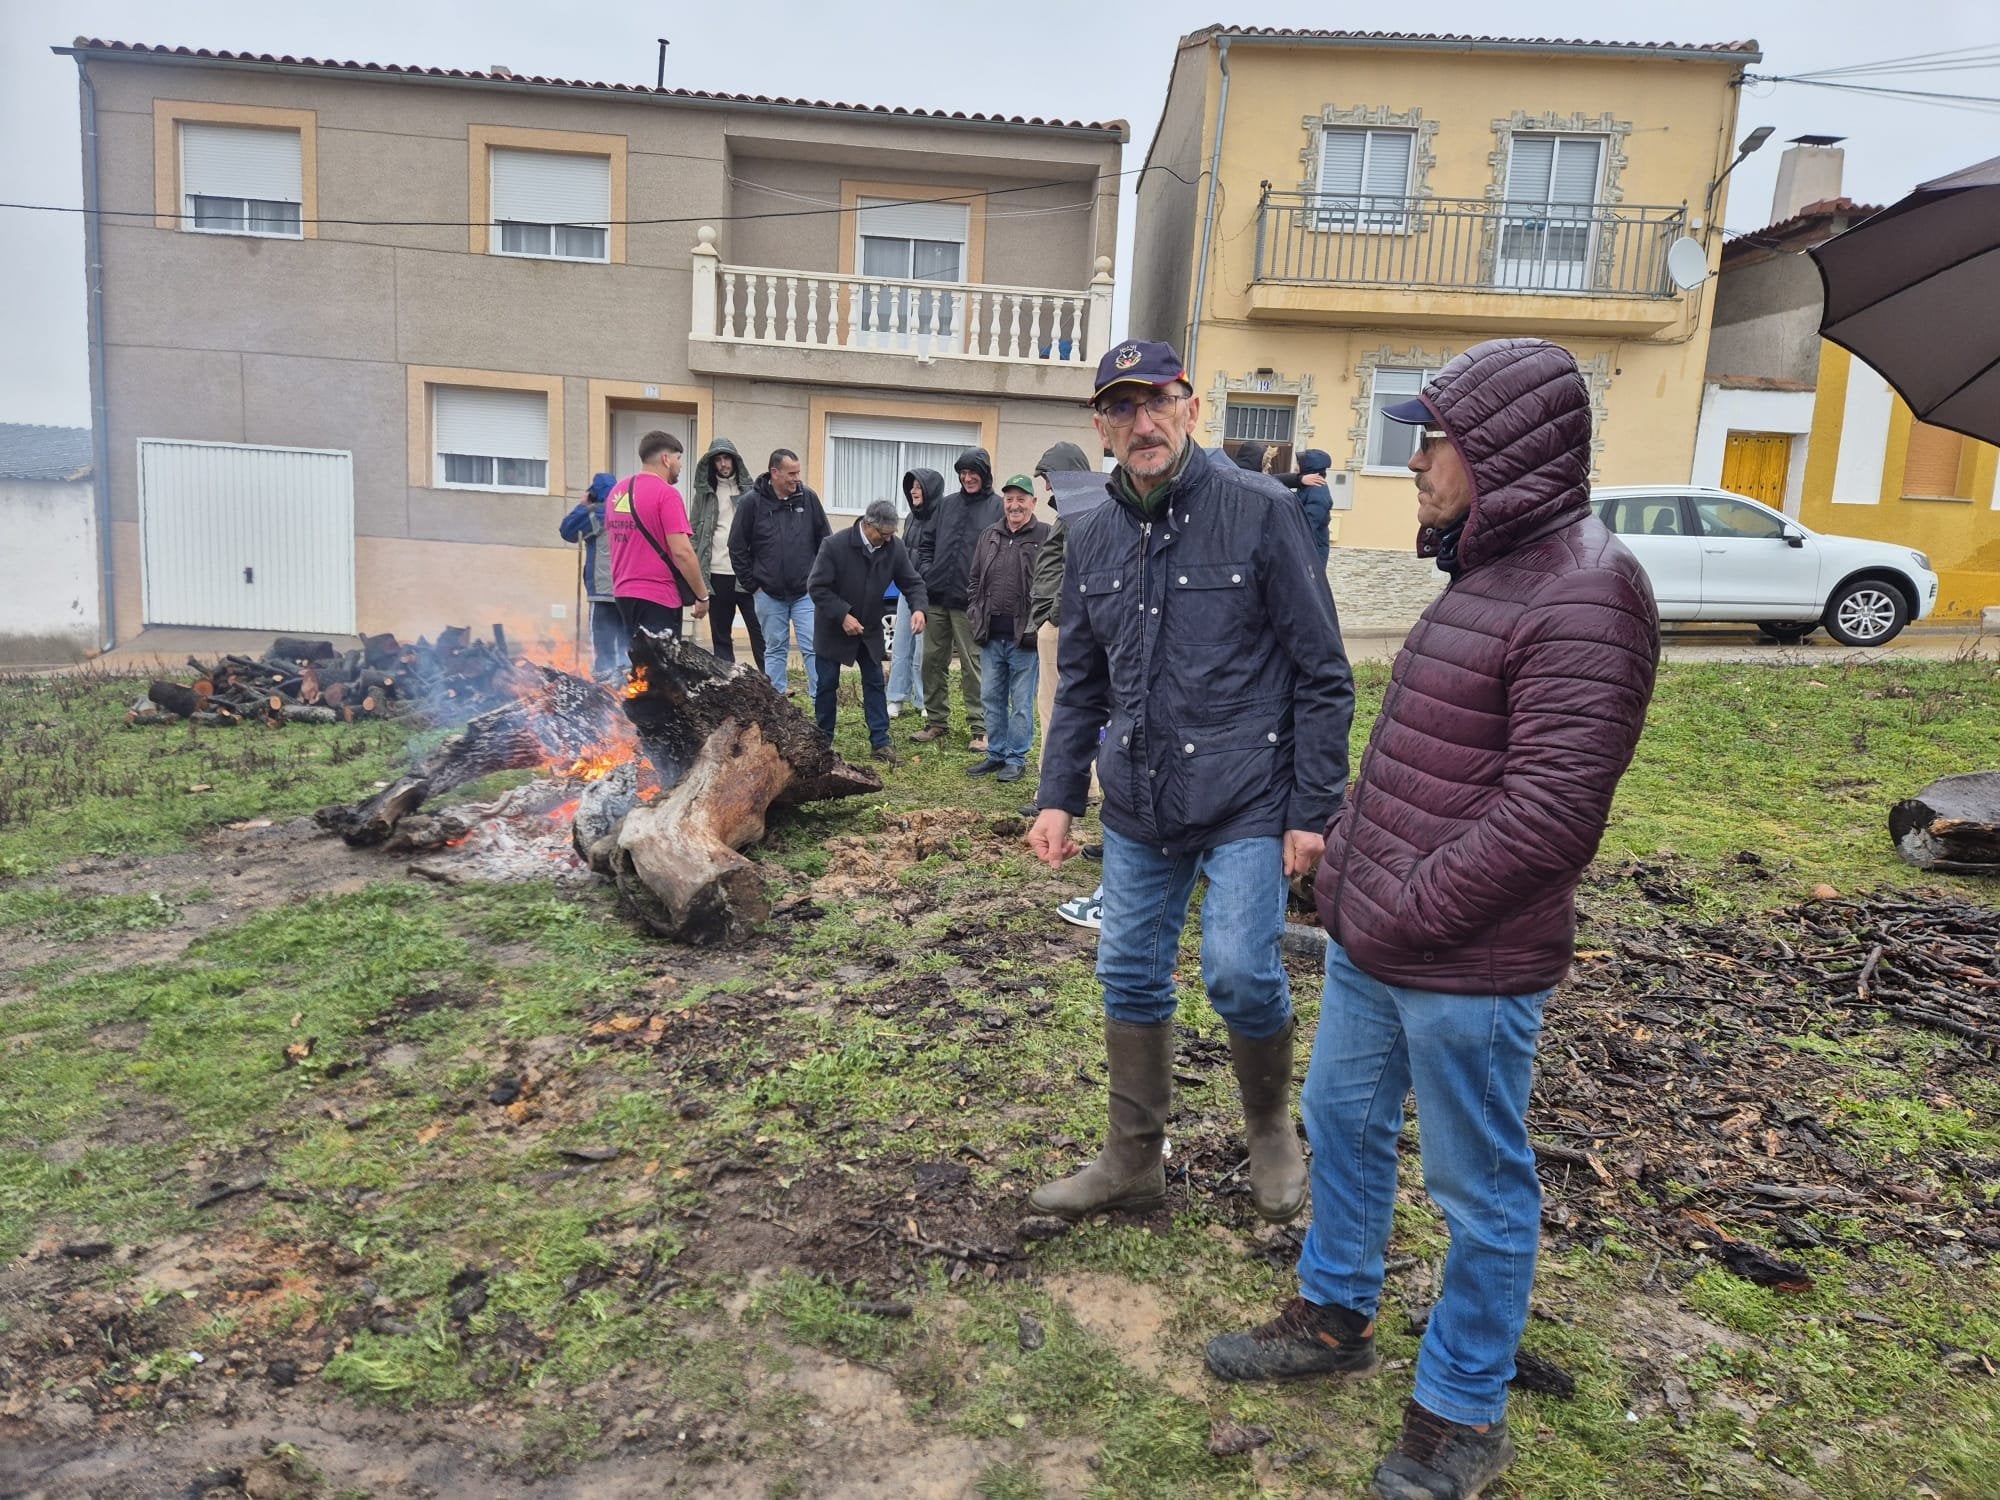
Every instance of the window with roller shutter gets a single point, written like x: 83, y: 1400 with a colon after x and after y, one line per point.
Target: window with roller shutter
x: 551, y: 205
x: 1364, y: 180
x: 490, y: 439
x: 241, y: 179
x: 1549, y: 219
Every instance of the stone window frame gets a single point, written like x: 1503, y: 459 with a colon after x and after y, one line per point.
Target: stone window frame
x: 1611, y: 191
x: 1596, y: 372
x: 1303, y: 391
x: 1371, y: 117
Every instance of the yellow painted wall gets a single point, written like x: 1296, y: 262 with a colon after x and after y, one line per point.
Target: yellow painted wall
x: 1960, y: 536
x: 1683, y: 127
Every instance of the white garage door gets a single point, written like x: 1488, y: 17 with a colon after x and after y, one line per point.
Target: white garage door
x: 247, y: 538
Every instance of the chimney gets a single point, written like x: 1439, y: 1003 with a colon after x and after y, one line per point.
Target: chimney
x: 1808, y: 172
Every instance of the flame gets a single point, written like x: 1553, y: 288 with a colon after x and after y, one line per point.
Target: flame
x: 598, y: 763
x: 638, y: 683
x: 566, y: 812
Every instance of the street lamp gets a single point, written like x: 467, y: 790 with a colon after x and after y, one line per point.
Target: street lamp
x: 1751, y: 142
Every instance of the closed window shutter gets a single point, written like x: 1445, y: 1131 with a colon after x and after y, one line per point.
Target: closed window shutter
x: 1529, y: 163
x: 914, y: 221
x: 547, y: 187
x: 236, y: 161
x: 493, y: 424
x: 1574, y: 180
x: 895, y: 429
x: 1388, y: 164
x: 1930, y: 468
x: 1342, y: 153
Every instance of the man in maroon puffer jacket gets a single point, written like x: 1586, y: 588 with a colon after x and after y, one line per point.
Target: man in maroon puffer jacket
x: 1448, y: 895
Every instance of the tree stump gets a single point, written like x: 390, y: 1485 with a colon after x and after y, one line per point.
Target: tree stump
x: 1952, y: 825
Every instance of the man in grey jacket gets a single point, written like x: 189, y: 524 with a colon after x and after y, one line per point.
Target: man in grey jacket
x: 1197, y: 633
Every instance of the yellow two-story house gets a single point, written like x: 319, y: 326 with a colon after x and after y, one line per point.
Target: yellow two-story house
x: 1325, y: 218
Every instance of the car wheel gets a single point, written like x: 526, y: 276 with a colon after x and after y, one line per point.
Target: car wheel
x: 1866, y: 612
x: 1787, y: 632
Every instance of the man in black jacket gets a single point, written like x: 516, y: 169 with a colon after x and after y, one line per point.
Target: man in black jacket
x: 1198, y: 632
x: 1003, y: 564
x: 849, y: 577
x: 773, y: 542
x: 944, y: 557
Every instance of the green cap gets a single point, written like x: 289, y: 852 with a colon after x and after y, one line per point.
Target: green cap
x: 1020, y: 482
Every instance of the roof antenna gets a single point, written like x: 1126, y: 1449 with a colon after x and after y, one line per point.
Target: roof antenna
x: 661, y: 81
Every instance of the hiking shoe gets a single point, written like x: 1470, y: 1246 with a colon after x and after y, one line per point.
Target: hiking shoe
x: 985, y: 767
x: 1009, y: 773
x: 1030, y: 810
x: 1084, y: 911
x: 1304, y: 1339
x: 929, y: 733
x: 1440, y: 1460
x: 978, y: 744
x: 887, y: 754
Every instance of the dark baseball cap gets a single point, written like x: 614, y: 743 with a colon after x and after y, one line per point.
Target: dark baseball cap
x: 1137, y: 362
x: 1412, y: 411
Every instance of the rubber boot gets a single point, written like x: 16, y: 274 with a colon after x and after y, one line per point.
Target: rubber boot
x: 1128, y: 1172
x: 1277, y: 1166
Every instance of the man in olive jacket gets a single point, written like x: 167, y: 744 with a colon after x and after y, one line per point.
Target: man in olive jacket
x: 1198, y: 634
x: 850, y: 576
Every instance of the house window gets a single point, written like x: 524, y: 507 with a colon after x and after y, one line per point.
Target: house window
x: 1549, y: 220
x: 1266, y: 422
x: 240, y: 179
x: 867, y: 457
x: 551, y: 205
x: 1364, y: 179
x: 1931, y: 466
x: 910, y: 242
x: 1390, y: 444
x: 488, y: 439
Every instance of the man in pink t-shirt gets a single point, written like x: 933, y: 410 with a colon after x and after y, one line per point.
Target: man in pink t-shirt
x: 648, y: 527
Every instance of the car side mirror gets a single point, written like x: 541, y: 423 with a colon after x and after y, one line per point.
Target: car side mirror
x: 1794, y: 539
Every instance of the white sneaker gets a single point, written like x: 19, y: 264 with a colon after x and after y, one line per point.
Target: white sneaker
x: 1084, y: 911
x: 895, y: 710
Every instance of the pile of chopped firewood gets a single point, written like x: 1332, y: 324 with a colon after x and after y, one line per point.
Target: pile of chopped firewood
x: 309, y: 682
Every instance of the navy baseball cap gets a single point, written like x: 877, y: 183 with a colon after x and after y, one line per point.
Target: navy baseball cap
x: 1137, y: 362
x: 1412, y: 411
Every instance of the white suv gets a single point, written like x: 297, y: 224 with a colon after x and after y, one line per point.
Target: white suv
x: 1713, y: 555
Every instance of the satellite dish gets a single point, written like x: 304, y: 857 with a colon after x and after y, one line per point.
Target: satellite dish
x: 1687, y: 263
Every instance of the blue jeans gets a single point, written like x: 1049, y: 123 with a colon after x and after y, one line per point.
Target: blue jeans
x: 1472, y: 1061
x: 1145, y: 906
x: 904, y: 686
x: 778, y: 619
x: 1008, y: 674
x: 874, y: 705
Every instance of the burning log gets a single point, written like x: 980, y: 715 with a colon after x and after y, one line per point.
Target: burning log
x: 556, y: 719
x: 1952, y: 825
x: 727, y: 748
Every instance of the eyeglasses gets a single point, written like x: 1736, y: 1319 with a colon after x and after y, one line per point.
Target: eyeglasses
x: 1125, y: 411
x: 1430, y: 437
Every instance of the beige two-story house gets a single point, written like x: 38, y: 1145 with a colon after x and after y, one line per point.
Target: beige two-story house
x: 362, y: 333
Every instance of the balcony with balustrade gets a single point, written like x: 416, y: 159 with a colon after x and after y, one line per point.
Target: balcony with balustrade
x: 1473, y: 263
x: 834, y: 328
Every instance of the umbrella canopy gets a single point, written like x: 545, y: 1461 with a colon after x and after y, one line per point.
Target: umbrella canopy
x: 1915, y: 292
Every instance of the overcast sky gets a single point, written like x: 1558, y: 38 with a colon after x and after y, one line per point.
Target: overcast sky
x: 1045, y: 57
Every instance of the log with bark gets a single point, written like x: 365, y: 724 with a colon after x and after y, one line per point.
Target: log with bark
x: 726, y: 748
x: 556, y: 719
x: 1952, y: 825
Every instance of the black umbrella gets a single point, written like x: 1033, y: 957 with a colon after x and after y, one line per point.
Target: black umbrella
x: 1915, y: 292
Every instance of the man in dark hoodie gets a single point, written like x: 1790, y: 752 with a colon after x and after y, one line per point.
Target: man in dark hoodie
x: 718, y: 490
x: 922, y: 488
x: 773, y: 543
x: 944, y: 556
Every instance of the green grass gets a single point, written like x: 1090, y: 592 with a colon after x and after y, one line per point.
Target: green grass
x: 128, y: 1085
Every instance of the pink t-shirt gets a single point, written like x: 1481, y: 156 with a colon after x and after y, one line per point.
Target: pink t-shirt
x: 637, y: 571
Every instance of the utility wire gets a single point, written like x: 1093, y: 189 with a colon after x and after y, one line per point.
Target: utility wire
x: 793, y: 213
x: 1955, y: 59
x: 1925, y: 96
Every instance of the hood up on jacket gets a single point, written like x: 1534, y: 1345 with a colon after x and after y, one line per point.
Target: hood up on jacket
x: 977, y: 460
x: 932, y: 483
x: 1315, y: 461
x: 704, y: 470
x: 1075, y: 485
x: 1250, y: 456
x: 1518, y: 412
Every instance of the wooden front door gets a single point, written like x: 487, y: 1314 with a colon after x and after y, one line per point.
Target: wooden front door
x: 1757, y: 464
